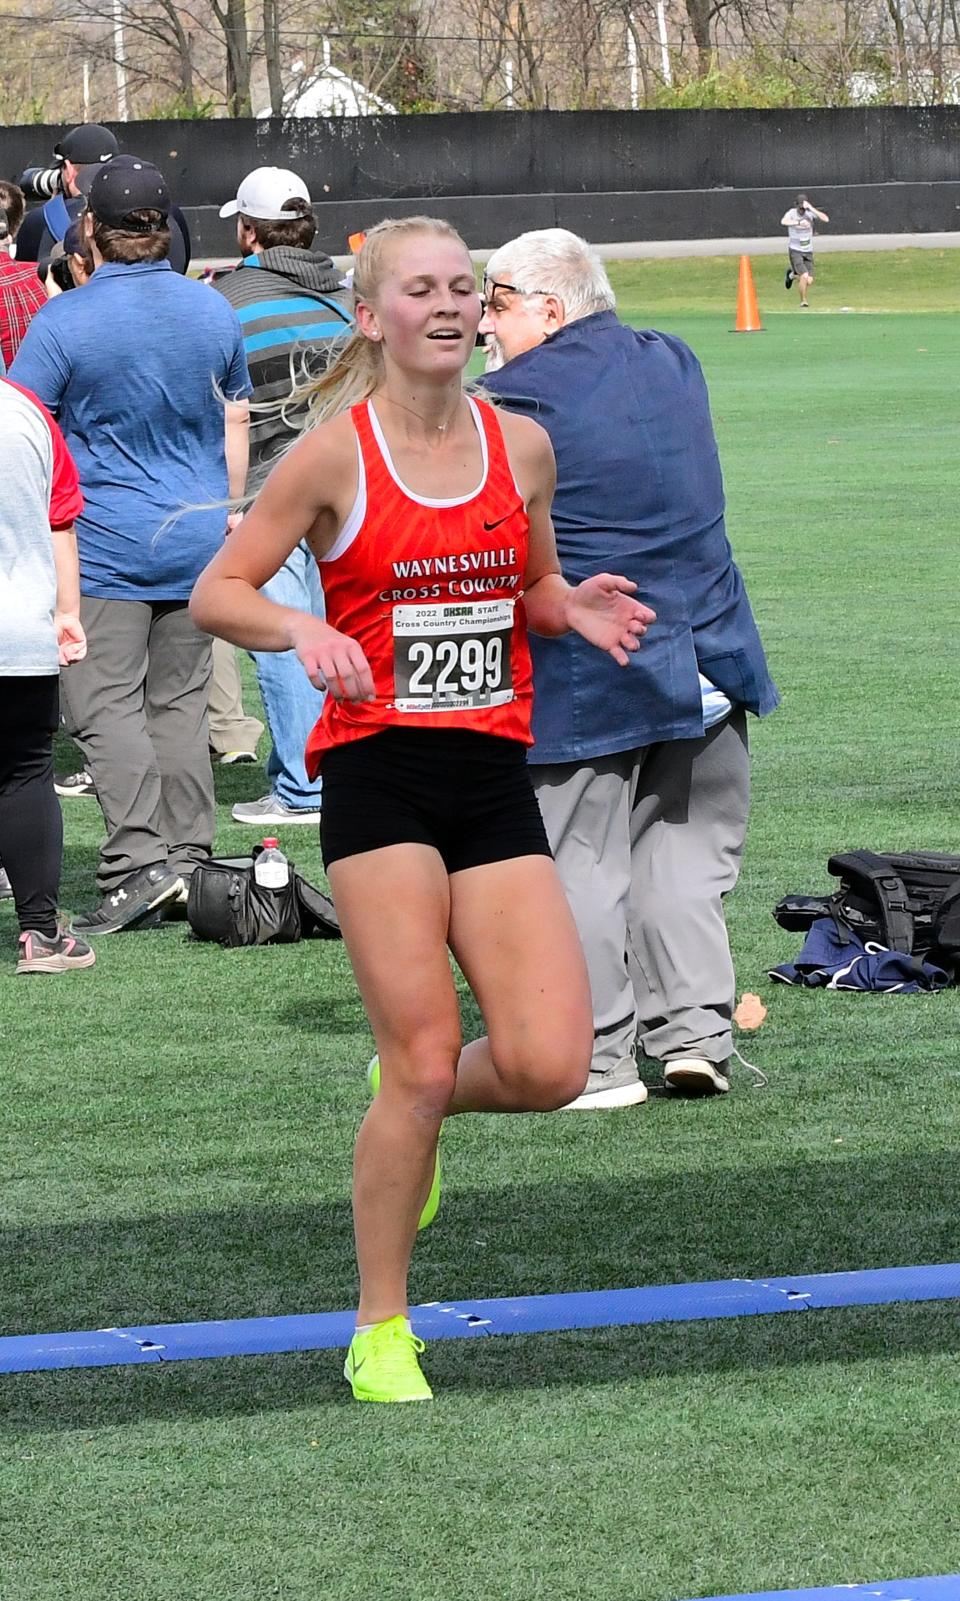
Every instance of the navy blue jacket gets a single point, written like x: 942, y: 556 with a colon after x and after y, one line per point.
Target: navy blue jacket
x: 639, y: 492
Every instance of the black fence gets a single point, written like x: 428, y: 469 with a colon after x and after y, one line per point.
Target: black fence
x: 611, y: 175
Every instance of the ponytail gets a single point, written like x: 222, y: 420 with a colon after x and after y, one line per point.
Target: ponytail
x: 351, y: 374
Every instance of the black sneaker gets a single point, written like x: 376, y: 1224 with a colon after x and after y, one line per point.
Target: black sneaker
x: 788, y: 278
x: 75, y: 784
x: 132, y: 902
x: 237, y: 758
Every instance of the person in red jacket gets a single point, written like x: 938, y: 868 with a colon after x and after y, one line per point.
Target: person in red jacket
x: 429, y: 513
x: 40, y: 632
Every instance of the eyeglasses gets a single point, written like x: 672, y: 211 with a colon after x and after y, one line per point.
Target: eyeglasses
x: 491, y: 285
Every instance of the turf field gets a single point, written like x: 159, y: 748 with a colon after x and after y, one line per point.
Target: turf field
x: 176, y: 1131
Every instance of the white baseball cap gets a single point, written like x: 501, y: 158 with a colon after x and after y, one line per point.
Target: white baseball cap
x: 263, y: 192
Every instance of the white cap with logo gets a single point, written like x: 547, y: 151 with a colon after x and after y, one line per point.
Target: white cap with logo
x: 263, y: 192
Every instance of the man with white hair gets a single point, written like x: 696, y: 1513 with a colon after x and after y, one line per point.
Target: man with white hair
x: 642, y: 775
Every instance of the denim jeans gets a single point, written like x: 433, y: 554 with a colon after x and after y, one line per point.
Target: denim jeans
x: 291, y: 703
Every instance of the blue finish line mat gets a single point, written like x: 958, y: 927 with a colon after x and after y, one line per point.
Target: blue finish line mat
x: 443, y: 1320
x: 946, y: 1588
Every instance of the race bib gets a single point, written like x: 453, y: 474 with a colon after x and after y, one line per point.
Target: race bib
x: 454, y: 657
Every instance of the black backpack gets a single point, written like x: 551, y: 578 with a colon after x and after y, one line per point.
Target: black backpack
x: 908, y: 902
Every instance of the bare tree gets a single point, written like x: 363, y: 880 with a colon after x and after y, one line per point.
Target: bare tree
x: 194, y: 57
x: 701, y: 14
x: 901, y: 63
x: 232, y: 18
x: 272, y: 51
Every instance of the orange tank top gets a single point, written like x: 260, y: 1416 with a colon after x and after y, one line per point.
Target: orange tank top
x: 431, y: 591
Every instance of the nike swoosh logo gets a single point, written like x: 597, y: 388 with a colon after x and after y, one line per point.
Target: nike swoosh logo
x: 489, y: 527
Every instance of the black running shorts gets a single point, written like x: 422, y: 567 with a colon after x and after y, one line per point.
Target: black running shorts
x: 468, y: 795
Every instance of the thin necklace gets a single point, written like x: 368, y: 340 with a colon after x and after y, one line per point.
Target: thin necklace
x: 441, y: 427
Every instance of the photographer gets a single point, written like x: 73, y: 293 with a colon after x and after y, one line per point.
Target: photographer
x: 21, y: 296
x: 69, y: 265
x: 77, y: 157
x: 799, y: 224
x: 62, y: 187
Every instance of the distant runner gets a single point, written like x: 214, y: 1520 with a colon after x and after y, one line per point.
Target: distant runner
x: 799, y: 223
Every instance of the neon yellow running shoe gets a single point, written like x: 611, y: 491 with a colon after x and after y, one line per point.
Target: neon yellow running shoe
x: 382, y: 1364
x: 432, y: 1204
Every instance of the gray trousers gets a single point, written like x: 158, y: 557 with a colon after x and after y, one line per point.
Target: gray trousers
x: 647, y: 842
x: 231, y: 728
x: 137, y: 707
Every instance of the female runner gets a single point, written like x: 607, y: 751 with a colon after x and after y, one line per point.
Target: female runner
x: 429, y: 513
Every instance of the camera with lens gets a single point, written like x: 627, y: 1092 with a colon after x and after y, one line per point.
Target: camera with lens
x: 41, y: 183
x: 58, y: 268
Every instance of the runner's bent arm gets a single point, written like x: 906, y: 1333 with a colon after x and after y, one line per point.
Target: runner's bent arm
x: 297, y: 502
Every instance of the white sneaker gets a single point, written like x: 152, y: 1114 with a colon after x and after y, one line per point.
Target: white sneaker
x: 270, y: 811
x: 694, y: 1075
x: 618, y: 1086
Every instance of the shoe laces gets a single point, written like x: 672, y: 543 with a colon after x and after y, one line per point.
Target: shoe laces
x: 395, y: 1346
x: 760, y: 1080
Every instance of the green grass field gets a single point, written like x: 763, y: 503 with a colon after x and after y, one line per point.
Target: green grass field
x: 176, y: 1130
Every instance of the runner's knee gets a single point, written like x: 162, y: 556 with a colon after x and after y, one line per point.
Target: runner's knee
x: 422, y: 1072
x: 549, y: 1078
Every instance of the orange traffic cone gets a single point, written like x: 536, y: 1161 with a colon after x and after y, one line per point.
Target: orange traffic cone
x: 748, y: 313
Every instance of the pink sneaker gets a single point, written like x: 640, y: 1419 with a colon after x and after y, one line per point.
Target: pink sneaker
x: 41, y: 954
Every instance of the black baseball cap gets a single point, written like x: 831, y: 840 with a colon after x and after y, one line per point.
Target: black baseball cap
x: 124, y: 185
x: 87, y: 146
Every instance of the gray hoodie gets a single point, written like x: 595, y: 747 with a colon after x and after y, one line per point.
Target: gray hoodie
x: 292, y: 306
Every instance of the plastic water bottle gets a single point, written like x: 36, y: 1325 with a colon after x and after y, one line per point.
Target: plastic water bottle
x: 271, y: 868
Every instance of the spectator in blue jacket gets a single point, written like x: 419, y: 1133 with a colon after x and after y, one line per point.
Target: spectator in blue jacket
x: 642, y: 774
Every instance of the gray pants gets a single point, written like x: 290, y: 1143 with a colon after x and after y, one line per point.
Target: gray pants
x: 137, y: 707
x: 647, y: 842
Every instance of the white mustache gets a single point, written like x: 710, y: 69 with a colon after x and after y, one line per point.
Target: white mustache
x: 495, y: 356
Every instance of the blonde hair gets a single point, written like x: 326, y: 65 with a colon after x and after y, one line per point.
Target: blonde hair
x: 355, y: 367
x: 352, y: 371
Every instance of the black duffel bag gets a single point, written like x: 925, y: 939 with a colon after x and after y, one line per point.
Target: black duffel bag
x: 907, y: 901
x: 225, y: 903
